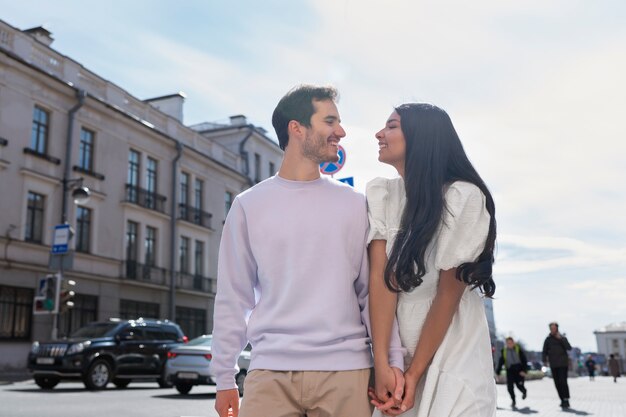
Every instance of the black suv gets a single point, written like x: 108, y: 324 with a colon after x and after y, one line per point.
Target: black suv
x: 115, y: 350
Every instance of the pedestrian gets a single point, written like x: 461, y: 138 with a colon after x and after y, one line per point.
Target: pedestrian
x: 432, y: 235
x: 555, y: 356
x: 590, y: 364
x: 614, y: 370
x: 513, y: 359
x: 293, y: 280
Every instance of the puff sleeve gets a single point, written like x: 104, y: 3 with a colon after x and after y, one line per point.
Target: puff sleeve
x: 464, y: 228
x: 376, y: 192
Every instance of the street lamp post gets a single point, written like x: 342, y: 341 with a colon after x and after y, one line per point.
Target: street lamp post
x: 80, y: 193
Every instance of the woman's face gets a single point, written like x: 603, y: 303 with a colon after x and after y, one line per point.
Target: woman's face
x: 391, y: 143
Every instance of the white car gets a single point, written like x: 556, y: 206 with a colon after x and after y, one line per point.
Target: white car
x: 188, y: 365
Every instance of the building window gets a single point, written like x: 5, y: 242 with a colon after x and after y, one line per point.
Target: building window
x: 192, y: 321
x: 85, y: 151
x: 39, y: 135
x: 34, y: 217
x: 199, y: 258
x: 198, y: 281
x: 257, y: 167
x: 150, y: 246
x: 85, y: 311
x: 151, y: 183
x: 131, y: 249
x: 272, y: 169
x: 133, y: 175
x: 198, y: 193
x: 83, y: 229
x: 228, y: 201
x: 132, y: 310
x: 184, y: 254
x: 184, y: 188
x: 16, y: 307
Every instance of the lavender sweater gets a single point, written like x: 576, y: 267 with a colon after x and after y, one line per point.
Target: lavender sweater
x: 293, y: 280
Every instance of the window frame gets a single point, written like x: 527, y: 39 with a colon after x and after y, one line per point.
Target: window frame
x: 34, y: 231
x: 40, y: 130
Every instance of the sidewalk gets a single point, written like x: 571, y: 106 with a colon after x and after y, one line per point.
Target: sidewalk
x: 599, y: 398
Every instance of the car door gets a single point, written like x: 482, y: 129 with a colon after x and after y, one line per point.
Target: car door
x: 131, y: 351
x: 155, y: 346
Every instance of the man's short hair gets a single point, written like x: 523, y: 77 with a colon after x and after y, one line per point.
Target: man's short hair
x: 297, y: 105
x: 510, y: 338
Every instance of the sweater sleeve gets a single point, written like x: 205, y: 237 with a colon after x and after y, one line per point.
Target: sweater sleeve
x: 396, y: 351
x: 235, y: 298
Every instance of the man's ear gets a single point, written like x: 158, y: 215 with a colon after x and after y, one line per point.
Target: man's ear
x: 295, y: 129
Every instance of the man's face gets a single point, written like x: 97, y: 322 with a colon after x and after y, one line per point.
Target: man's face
x: 554, y: 328
x: 323, y: 136
x: 510, y: 343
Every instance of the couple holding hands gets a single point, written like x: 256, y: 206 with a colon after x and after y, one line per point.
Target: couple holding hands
x: 317, y: 276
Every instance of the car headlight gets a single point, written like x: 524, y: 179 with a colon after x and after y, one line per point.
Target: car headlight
x: 77, y: 348
x: 34, y: 348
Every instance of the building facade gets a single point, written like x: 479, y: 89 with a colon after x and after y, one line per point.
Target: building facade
x: 611, y: 340
x: 146, y: 242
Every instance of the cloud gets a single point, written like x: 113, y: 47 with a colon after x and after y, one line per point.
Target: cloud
x: 527, y: 254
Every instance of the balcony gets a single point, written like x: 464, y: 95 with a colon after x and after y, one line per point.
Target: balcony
x: 146, y: 273
x: 194, y: 215
x: 196, y: 282
x: 145, y: 198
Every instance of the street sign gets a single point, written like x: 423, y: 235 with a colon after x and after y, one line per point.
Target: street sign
x: 60, y: 242
x: 347, y: 180
x: 47, y: 297
x: 330, y: 168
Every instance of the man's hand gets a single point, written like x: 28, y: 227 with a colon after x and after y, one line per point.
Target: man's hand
x: 523, y: 374
x: 226, y: 400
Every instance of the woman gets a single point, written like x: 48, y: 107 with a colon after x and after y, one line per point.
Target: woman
x: 431, y: 243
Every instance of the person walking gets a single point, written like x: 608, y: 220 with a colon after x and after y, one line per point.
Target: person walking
x: 293, y: 280
x: 614, y: 370
x: 590, y: 364
x: 431, y: 243
x: 513, y: 359
x: 555, y: 356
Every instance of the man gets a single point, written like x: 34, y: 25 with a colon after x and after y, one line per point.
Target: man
x: 590, y: 364
x: 513, y: 359
x: 293, y: 280
x: 555, y: 356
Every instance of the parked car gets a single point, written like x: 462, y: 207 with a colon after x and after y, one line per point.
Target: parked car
x: 116, y: 350
x: 189, y: 365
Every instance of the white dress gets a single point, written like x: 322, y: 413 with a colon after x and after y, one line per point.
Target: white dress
x: 459, y: 382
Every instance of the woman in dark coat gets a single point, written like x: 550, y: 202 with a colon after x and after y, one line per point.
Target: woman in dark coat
x: 614, y: 367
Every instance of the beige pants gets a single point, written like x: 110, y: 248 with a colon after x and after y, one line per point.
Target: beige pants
x: 306, y: 393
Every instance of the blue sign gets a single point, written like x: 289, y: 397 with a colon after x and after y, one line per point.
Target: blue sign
x: 330, y: 168
x: 347, y: 180
x: 61, y: 239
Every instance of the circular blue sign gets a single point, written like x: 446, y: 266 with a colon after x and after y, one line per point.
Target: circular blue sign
x: 330, y: 168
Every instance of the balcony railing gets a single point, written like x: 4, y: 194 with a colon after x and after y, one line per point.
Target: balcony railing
x: 197, y: 282
x: 142, y: 272
x: 194, y: 215
x: 145, y: 198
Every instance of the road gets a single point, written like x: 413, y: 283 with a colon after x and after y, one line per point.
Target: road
x: 601, y: 398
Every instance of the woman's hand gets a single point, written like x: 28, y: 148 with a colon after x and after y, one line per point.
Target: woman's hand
x: 387, y: 396
x: 410, y: 387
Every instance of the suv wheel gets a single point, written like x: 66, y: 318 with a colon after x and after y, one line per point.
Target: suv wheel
x: 121, y: 383
x: 46, y: 382
x: 98, y: 375
x: 239, y: 380
x: 183, y: 388
x: 164, y: 383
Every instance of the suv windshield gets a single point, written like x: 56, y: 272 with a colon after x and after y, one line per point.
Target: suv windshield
x: 95, y: 330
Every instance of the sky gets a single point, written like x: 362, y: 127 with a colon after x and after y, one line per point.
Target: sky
x: 535, y: 89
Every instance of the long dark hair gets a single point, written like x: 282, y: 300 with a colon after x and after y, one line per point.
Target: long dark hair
x: 434, y: 159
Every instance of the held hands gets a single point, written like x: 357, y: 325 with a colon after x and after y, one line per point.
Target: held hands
x: 390, y: 387
x: 226, y: 400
